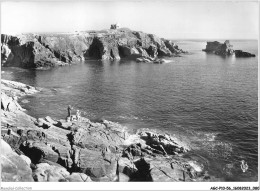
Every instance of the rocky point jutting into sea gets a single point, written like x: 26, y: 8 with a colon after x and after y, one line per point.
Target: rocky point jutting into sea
x: 46, y: 149
x: 47, y: 50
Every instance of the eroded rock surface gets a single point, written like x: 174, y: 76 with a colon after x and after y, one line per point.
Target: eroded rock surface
x: 14, y: 168
x: 47, y: 149
x: 48, y: 50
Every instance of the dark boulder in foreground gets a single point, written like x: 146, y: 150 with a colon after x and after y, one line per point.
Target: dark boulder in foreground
x: 57, y: 49
x: 225, y: 49
x: 240, y: 53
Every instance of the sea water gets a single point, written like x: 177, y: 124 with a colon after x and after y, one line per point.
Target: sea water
x: 205, y: 100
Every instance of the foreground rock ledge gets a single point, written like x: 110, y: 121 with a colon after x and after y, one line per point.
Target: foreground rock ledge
x: 45, y: 149
x: 48, y: 50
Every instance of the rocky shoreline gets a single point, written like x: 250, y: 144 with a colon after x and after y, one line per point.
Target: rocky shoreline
x: 58, y: 49
x: 46, y: 149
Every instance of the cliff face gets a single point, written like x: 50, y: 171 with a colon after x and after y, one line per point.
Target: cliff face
x: 47, y: 50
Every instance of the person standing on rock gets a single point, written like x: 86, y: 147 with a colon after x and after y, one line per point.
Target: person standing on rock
x: 69, y: 113
x: 78, y: 115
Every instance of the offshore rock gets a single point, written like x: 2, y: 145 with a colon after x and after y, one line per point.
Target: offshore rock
x: 218, y: 48
x: 225, y: 49
x: 240, y: 53
x: 57, y: 49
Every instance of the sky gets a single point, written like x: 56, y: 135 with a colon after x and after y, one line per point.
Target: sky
x: 165, y: 18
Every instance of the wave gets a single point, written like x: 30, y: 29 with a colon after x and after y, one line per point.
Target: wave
x: 198, y: 167
x: 129, y: 117
x: 25, y: 101
x: 167, y: 61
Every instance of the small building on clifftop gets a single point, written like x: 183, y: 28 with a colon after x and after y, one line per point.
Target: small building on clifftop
x: 114, y: 26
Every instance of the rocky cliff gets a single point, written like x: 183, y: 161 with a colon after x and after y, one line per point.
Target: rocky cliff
x: 80, y: 150
x: 225, y: 49
x: 47, y: 50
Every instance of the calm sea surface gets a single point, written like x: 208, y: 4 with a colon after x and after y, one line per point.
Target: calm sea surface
x: 205, y: 100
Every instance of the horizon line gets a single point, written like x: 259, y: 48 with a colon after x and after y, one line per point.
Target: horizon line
x: 171, y: 38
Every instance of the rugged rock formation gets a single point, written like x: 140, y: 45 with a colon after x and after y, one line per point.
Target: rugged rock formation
x: 14, y: 168
x: 11, y: 91
x: 240, y: 53
x: 218, y: 48
x: 45, y: 149
x: 225, y: 49
x: 47, y: 50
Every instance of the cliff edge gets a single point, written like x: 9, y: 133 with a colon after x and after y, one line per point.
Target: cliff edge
x: 48, y: 50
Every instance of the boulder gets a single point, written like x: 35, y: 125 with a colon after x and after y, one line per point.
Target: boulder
x: 64, y: 124
x: 26, y: 159
x: 50, y: 120
x: 97, y: 166
x: 126, y: 167
x: 49, y: 173
x: 123, y: 178
x: 163, y: 170
x: 37, y: 151
x: 9, y: 103
x: 78, y: 177
x: 14, y: 168
x: 43, y: 123
x: 101, y: 136
x: 12, y: 138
